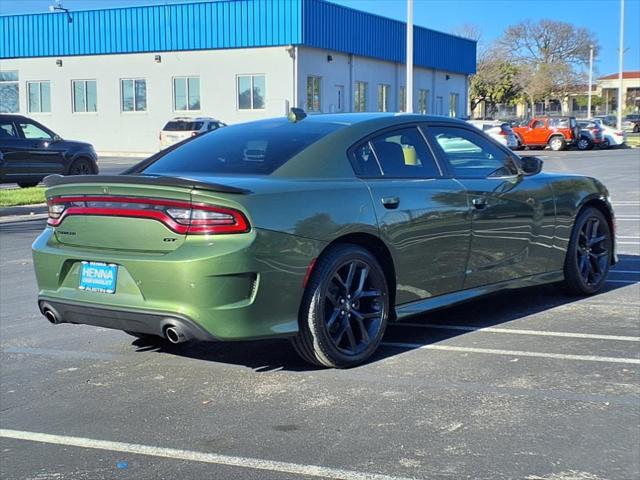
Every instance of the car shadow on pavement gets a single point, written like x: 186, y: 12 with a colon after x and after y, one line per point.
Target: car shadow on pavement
x: 425, y: 329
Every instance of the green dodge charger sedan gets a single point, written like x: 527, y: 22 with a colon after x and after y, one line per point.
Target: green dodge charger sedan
x: 321, y: 229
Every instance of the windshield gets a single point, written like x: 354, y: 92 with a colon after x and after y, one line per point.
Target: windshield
x: 256, y: 148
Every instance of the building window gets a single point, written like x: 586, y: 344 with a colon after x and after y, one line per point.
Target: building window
x: 402, y: 104
x: 186, y: 93
x: 39, y: 94
x: 251, y: 92
x: 453, y: 105
x: 134, y: 95
x: 313, y: 94
x: 383, y: 97
x: 360, y: 99
x: 439, y: 107
x: 9, y: 91
x: 85, y: 96
x: 423, y: 101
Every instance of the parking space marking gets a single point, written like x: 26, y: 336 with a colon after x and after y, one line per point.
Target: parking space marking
x: 626, y: 282
x: 625, y: 271
x: 513, y: 353
x: 542, y: 333
x: 195, y: 456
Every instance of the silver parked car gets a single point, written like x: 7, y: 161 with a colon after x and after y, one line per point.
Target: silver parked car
x: 499, y: 131
x: 180, y: 128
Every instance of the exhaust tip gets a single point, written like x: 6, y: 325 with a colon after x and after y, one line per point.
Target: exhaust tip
x: 174, y: 335
x: 51, y: 316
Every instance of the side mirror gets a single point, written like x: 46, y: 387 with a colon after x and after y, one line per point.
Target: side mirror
x: 56, y: 138
x: 531, y: 165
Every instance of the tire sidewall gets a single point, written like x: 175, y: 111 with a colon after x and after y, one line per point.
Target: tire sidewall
x: 559, y: 141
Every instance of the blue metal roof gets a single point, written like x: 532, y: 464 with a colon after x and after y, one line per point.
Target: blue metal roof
x: 229, y: 24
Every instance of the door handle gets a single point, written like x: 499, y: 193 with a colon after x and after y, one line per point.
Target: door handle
x: 390, y: 202
x: 479, y: 203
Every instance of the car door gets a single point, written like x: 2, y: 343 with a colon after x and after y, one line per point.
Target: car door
x: 539, y: 133
x: 9, y: 151
x: 422, y: 216
x: 42, y: 153
x: 513, y: 216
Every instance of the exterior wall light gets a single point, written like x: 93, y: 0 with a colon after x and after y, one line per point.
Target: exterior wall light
x: 158, y: 59
x: 59, y: 62
x: 448, y: 77
x: 329, y: 58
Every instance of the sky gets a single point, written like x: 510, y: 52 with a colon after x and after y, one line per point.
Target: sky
x: 490, y: 16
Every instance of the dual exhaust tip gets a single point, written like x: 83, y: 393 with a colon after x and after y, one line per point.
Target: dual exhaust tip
x: 173, y: 333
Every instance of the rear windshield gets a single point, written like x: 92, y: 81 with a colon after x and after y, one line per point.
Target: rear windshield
x: 182, y: 126
x: 256, y: 148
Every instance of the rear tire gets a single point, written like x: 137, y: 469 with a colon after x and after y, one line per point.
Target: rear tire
x: 27, y: 184
x: 557, y: 143
x: 344, y: 309
x: 589, y: 254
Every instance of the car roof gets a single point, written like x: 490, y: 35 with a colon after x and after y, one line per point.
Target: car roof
x: 13, y: 116
x: 193, y: 119
x: 361, y: 117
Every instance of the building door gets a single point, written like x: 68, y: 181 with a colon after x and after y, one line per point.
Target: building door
x: 339, y: 103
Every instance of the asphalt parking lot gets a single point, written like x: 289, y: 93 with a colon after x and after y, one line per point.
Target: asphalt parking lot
x: 530, y: 384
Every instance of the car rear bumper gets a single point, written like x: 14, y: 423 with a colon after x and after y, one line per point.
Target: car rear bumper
x: 231, y: 287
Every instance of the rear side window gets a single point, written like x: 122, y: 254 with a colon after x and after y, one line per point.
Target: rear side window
x: 8, y: 130
x: 182, y: 126
x: 256, y: 148
x: 560, y: 123
x: 470, y: 155
x: 401, y: 153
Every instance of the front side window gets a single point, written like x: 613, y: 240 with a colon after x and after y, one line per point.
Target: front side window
x: 39, y: 97
x: 423, y: 99
x: 470, y: 155
x: 251, y: 92
x: 383, y: 97
x: 134, y: 95
x: 313, y: 94
x: 85, y: 96
x: 33, y: 132
x: 360, y: 97
x: 9, y: 98
x: 403, y: 99
x: 453, y: 105
x: 186, y: 94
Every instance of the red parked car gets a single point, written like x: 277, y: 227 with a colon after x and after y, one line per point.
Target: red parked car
x: 556, y: 132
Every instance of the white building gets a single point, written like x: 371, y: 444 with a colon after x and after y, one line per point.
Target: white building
x: 114, y: 77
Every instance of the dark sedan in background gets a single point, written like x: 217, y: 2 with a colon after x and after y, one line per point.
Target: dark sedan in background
x: 29, y: 151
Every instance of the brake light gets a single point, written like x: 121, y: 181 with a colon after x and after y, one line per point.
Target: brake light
x: 620, y: 133
x: 503, y: 133
x: 181, y: 217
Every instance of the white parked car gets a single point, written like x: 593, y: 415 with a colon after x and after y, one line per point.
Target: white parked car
x: 612, y: 137
x: 181, y: 128
x: 499, y: 131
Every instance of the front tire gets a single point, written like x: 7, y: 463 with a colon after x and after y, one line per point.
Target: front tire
x: 589, y: 254
x: 584, y: 144
x: 81, y: 166
x: 557, y: 143
x: 344, y: 309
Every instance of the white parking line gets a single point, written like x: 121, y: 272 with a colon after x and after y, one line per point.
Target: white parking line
x: 628, y: 282
x: 541, y: 333
x: 193, y: 456
x: 625, y: 271
x: 513, y: 353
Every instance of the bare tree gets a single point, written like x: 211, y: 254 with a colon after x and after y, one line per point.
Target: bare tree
x: 548, y: 42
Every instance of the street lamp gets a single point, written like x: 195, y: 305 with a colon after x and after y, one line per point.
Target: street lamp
x: 409, y: 94
x: 590, y: 80
x: 620, y: 59
x: 58, y: 7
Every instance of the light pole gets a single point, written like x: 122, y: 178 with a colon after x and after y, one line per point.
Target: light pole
x: 590, y: 80
x: 409, y: 96
x: 621, y: 56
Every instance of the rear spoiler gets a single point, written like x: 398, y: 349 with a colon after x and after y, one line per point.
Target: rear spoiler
x: 54, y: 180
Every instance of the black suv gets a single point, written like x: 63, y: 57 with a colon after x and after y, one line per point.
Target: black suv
x: 29, y: 151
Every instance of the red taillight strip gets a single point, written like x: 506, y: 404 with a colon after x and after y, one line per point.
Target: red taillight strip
x: 195, y: 226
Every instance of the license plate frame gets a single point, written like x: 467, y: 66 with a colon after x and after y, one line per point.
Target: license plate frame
x: 99, y: 277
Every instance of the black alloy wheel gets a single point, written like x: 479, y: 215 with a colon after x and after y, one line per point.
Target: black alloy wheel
x: 344, y: 310
x: 590, y: 252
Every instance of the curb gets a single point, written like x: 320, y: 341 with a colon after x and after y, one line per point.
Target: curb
x: 23, y: 218
x: 124, y: 154
x: 24, y: 210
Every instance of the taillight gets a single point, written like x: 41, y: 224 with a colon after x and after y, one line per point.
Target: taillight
x: 180, y: 217
x: 620, y: 133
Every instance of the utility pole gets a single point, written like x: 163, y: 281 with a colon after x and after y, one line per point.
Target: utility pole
x: 409, y: 88
x: 621, y: 55
x: 590, y: 80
